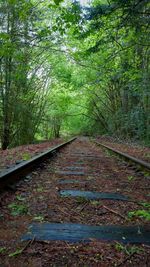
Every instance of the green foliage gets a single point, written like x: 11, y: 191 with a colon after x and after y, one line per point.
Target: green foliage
x: 16, y: 253
x: 145, y: 204
x: 22, y: 94
x: 2, y: 250
x: 40, y: 189
x: 81, y: 200
x: 131, y: 178
x: 140, y: 213
x: 95, y: 202
x: 26, y: 156
x: 18, y: 209
x: 126, y: 249
x: 20, y: 198
x: 57, y: 2
x: 68, y: 70
x: 38, y: 218
x: 146, y: 174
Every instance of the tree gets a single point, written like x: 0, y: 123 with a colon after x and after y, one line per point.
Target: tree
x: 24, y: 78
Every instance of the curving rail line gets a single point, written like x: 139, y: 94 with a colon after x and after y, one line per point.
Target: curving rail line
x: 16, y: 173
x: 139, y: 162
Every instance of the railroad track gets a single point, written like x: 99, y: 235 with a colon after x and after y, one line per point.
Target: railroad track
x: 80, y: 199
x: 15, y: 173
x: 138, y: 162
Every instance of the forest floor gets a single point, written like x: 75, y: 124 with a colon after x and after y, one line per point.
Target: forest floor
x: 13, y: 156
x: 38, y: 199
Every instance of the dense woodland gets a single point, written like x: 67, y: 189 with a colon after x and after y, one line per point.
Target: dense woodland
x: 73, y: 68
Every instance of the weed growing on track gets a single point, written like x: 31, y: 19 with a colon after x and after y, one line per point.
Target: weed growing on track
x: 131, y: 178
x: 38, y: 218
x: 145, y: 204
x: 26, y: 156
x: 40, y: 189
x: 95, y: 202
x: 18, y: 209
x: 145, y: 214
x: 20, y: 198
x: 17, y: 252
x: 139, y: 213
x: 2, y: 250
x: 81, y: 200
x: 146, y: 174
x: 126, y: 249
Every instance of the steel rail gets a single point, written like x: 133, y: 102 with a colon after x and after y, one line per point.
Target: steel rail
x: 17, y: 172
x: 126, y: 156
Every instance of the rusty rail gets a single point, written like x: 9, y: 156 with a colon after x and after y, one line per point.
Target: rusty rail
x: 141, y: 163
x: 16, y: 173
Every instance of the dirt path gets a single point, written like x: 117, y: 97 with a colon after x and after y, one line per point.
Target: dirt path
x: 38, y: 199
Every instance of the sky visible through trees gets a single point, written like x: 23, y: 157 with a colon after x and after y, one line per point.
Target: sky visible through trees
x: 69, y: 67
